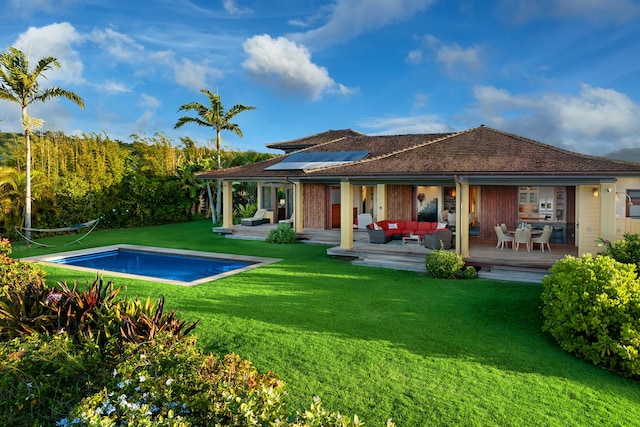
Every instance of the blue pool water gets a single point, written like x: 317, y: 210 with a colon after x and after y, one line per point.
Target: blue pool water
x: 164, y: 266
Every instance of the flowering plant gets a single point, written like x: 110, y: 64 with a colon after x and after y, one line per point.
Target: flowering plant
x: 5, y: 246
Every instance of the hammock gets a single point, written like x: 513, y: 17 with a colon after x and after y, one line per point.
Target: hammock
x: 91, y: 225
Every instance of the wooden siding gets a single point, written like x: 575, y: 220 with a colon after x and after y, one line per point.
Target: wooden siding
x: 399, y: 206
x: 315, y: 201
x: 499, y: 205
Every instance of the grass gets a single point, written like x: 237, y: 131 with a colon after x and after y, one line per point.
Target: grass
x: 382, y: 343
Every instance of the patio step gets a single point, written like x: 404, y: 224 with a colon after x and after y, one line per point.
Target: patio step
x: 513, y: 274
x: 394, y: 262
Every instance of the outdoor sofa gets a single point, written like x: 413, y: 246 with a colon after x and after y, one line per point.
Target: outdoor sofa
x: 433, y: 232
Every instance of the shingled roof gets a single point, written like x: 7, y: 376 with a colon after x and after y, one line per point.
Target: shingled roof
x: 480, y: 151
x: 309, y: 141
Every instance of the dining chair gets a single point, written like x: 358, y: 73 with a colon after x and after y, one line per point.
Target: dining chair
x: 522, y: 236
x: 502, y: 238
x: 544, y: 238
x: 451, y: 219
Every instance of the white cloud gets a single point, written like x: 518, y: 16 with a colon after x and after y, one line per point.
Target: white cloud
x: 148, y: 101
x: 231, y: 7
x: 595, y: 10
x: 405, y: 125
x: 350, y: 18
x: 59, y: 41
x: 192, y: 75
x: 298, y: 23
x: 29, y: 7
x: 414, y: 57
x: 113, y: 87
x: 595, y: 120
x: 124, y: 49
x: 419, y: 100
x: 453, y: 57
x: 118, y: 46
x: 288, y: 66
x: 456, y: 60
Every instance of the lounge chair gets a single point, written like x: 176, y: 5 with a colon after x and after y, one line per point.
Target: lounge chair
x: 257, y: 219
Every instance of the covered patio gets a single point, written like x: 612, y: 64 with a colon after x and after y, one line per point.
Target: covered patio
x: 483, y: 253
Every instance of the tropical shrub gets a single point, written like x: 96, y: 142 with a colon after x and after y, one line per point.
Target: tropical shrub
x: 245, y: 211
x: 172, y: 383
x: 94, y: 315
x: 443, y: 264
x: 626, y: 251
x: 283, y: 233
x: 591, y: 306
x: 469, y: 272
x: 43, y: 376
x: 17, y: 275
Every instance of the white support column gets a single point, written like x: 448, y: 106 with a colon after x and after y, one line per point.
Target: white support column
x: 227, y: 204
x: 346, y: 215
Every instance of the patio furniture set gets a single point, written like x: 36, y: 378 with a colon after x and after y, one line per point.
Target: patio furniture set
x: 434, y: 235
x: 523, y: 235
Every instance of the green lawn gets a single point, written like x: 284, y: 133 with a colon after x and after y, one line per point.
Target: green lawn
x: 382, y: 343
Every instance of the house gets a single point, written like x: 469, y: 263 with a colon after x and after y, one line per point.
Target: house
x: 481, y: 176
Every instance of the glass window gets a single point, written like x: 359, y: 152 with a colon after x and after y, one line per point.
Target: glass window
x: 267, y: 198
x: 528, y: 195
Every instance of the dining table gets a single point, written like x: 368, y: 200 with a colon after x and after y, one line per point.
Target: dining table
x: 534, y: 232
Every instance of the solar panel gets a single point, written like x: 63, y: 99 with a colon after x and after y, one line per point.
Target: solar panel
x: 318, y: 159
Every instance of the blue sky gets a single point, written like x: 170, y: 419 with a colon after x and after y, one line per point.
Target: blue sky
x: 564, y: 72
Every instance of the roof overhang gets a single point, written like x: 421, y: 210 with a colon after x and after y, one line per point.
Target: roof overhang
x: 440, y: 180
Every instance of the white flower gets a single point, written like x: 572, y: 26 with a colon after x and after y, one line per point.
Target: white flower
x: 169, y: 381
x: 142, y: 378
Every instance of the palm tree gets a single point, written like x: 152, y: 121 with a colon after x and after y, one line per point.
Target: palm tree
x: 214, y: 116
x: 20, y: 85
x: 12, y: 194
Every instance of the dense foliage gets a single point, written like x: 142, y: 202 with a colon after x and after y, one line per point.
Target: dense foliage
x: 591, y: 306
x: 17, y: 275
x: 443, y: 264
x: 626, y: 251
x: 148, y: 181
x: 282, y: 234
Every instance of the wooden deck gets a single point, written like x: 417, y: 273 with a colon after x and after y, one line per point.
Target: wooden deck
x: 483, y: 253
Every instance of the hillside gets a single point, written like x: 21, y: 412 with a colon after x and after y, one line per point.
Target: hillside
x: 628, y: 154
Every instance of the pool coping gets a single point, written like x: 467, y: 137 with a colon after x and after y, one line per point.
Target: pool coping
x: 255, y: 260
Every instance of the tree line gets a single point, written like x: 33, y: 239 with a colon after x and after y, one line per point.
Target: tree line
x: 148, y: 181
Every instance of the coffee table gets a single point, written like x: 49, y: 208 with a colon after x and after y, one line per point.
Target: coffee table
x: 419, y: 239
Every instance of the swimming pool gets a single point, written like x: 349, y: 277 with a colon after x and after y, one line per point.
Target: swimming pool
x: 176, y: 266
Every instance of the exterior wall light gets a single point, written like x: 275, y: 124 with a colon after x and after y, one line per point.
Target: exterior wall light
x: 595, y: 193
